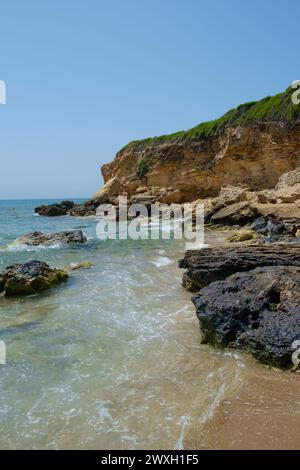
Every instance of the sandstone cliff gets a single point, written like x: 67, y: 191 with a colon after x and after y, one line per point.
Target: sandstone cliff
x: 178, y: 172
x: 253, y: 144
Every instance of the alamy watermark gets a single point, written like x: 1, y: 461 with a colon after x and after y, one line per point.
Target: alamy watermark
x: 2, y: 92
x: 2, y: 353
x: 296, y: 93
x: 155, y: 222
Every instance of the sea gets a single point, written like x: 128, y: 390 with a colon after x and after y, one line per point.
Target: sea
x: 112, y: 359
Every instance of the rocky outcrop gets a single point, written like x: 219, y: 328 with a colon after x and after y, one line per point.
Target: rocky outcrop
x: 185, y: 171
x: 53, y: 210
x: 30, y: 278
x: 287, y: 190
x: 214, y: 264
x: 257, y: 311
x: 46, y: 239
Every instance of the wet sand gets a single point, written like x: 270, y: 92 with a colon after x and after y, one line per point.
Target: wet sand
x: 263, y: 413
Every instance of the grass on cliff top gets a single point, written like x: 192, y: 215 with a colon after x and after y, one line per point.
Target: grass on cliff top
x: 278, y: 108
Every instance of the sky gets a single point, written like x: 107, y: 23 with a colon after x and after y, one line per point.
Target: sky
x: 83, y: 78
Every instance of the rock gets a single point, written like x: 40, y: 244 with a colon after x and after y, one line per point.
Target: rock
x: 280, y: 210
x: 260, y: 225
x: 276, y: 229
x: 214, y: 264
x: 141, y: 189
x: 257, y: 311
x: 110, y: 189
x: 53, y: 210
x: 288, y: 187
x: 144, y: 199
x: 68, y: 204
x: 266, y: 196
x: 229, y: 195
x: 83, y: 210
x: 287, y: 190
x: 82, y: 265
x: 242, y: 236
x: 88, y: 208
x: 239, y: 213
x: 297, y: 234
x: 30, y: 278
x: 2, y: 283
x: 39, y: 238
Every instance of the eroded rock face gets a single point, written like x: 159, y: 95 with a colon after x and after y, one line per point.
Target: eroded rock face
x: 39, y: 238
x: 214, y: 264
x: 181, y: 172
x: 30, y: 278
x: 257, y: 311
x: 54, y: 210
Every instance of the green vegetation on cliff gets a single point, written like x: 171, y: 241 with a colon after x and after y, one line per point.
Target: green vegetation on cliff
x: 278, y: 108
x: 143, y: 168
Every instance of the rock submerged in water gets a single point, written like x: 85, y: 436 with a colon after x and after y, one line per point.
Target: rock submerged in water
x: 54, y: 210
x: 81, y: 265
x: 30, y: 278
x: 46, y: 239
x: 257, y: 311
x: 215, y: 264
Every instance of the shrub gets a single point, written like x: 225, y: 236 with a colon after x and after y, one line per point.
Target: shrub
x: 143, y: 168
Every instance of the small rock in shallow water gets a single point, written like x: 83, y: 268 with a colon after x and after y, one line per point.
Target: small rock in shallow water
x: 39, y: 238
x: 82, y: 265
x: 54, y: 210
x: 30, y: 278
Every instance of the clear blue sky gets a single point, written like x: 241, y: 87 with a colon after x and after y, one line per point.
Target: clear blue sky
x: 85, y: 77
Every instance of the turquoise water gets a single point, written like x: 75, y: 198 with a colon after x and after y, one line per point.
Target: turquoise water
x: 110, y: 359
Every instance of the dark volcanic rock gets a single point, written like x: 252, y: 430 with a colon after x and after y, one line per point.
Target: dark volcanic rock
x: 274, y: 228
x: 257, y: 311
x: 53, y: 210
x: 88, y: 208
x: 30, y: 278
x: 39, y: 238
x: 214, y: 264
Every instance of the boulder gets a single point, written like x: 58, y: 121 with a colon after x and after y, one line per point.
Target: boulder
x: 230, y: 195
x: 242, y: 235
x: 30, y: 278
x: 81, y: 265
x: 39, y: 238
x: 288, y: 187
x: 214, y: 264
x: 88, y: 208
x: 53, y: 210
x: 239, y: 213
x: 274, y: 228
x: 257, y: 311
x: 287, y: 190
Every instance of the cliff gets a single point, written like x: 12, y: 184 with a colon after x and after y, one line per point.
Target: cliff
x: 253, y: 144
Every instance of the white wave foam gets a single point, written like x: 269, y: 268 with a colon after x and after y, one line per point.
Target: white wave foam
x: 209, y: 412
x: 185, y: 420
x: 22, y: 247
x: 162, y: 261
